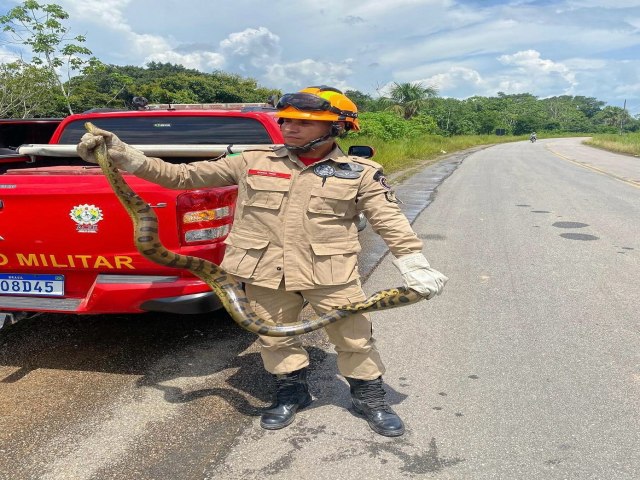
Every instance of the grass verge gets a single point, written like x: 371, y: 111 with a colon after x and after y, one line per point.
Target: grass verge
x: 397, y: 155
x: 629, y: 143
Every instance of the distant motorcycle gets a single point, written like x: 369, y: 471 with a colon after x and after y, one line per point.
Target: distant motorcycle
x: 533, y: 138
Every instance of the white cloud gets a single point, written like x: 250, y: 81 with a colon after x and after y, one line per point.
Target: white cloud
x: 586, y: 64
x: 7, y: 55
x: 108, y: 16
x: 203, y: 61
x: 258, y: 47
x: 452, y: 78
x: 602, y: 4
x: 475, y: 40
x: 519, y: 72
x: 101, y: 12
x: 465, y: 47
x: 530, y: 63
x: 455, y: 77
x: 310, y: 72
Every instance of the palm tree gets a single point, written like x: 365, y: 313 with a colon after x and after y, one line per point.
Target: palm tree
x: 612, y: 116
x: 409, y: 98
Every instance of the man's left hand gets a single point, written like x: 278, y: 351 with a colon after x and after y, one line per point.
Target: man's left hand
x: 419, y: 276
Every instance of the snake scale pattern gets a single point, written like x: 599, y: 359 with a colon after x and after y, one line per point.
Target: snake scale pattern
x: 229, y: 290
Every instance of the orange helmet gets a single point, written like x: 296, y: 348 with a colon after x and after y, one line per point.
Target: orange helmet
x: 319, y: 103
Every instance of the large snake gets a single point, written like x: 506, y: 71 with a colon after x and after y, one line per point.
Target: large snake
x: 228, y: 289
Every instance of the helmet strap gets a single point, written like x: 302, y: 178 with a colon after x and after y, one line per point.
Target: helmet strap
x: 335, y: 131
x: 308, y: 146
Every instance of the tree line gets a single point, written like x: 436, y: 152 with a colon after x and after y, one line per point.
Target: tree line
x: 36, y: 88
x: 509, y: 114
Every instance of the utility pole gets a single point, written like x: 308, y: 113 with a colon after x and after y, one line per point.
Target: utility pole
x: 624, y: 110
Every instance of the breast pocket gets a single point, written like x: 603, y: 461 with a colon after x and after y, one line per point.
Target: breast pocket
x: 332, y: 200
x: 266, y: 192
x: 243, y: 253
x: 335, y: 263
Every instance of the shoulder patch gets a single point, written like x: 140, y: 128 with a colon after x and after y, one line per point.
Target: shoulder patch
x: 390, y: 195
x: 365, y: 161
x: 383, y: 181
x: 350, y: 166
x: 220, y: 157
x: 269, y: 148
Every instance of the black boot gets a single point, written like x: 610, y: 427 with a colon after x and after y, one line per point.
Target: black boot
x: 292, y: 393
x: 368, y: 400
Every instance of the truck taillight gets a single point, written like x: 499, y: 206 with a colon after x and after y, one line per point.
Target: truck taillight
x: 206, y: 234
x: 205, y: 215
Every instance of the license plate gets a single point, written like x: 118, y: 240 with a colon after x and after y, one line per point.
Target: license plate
x: 26, y: 284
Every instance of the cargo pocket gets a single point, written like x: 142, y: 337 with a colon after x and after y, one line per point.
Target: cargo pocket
x: 242, y: 254
x: 335, y: 263
x: 332, y: 200
x: 265, y: 192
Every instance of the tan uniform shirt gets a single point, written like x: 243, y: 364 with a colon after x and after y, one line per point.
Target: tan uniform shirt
x: 291, y: 221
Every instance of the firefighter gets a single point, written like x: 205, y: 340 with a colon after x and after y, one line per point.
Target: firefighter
x: 294, y: 238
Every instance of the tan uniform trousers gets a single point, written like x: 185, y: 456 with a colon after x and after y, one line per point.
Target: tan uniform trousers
x: 351, y: 336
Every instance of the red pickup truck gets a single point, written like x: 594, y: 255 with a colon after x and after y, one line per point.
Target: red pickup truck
x: 66, y: 243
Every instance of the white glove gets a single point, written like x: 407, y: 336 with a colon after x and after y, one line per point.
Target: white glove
x: 419, y: 276
x: 124, y: 156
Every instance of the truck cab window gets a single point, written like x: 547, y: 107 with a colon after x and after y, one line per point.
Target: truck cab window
x: 174, y: 129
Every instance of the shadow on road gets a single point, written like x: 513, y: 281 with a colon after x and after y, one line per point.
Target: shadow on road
x: 248, y: 380
x: 119, y: 344
x: 161, y: 349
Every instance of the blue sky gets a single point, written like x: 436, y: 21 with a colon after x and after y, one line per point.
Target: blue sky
x: 464, y: 48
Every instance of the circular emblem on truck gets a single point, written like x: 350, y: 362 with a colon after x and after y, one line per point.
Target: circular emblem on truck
x: 86, y: 217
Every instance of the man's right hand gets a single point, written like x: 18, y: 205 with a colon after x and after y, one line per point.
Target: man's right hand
x: 124, y: 156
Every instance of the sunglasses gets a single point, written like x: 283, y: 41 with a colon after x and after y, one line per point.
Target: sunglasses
x: 311, y: 103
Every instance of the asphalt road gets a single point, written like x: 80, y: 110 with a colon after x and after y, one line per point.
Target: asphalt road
x: 527, y: 367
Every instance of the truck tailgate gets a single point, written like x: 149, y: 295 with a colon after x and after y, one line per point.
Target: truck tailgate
x: 49, y: 225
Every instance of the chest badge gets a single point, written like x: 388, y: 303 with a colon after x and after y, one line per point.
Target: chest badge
x: 324, y: 170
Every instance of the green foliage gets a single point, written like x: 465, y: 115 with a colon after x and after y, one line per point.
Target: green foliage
x: 390, y: 126
x: 115, y: 86
x: 422, y: 124
x: 26, y: 91
x: 383, y: 125
x: 364, y: 102
x: 409, y: 99
x: 612, y: 116
x: 40, y: 28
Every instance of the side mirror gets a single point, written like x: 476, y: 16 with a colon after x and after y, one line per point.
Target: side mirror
x: 364, y: 151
